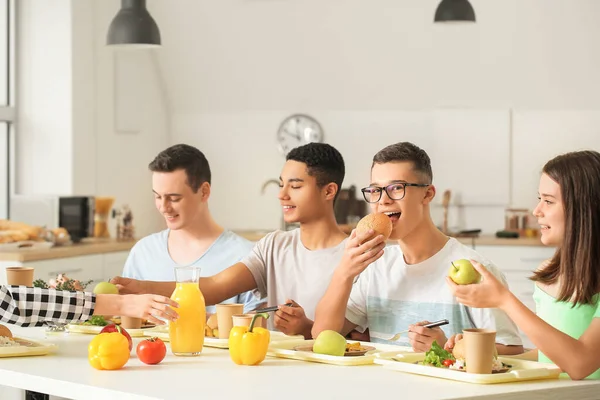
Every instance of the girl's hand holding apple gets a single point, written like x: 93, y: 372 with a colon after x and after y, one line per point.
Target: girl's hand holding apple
x: 488, y: 293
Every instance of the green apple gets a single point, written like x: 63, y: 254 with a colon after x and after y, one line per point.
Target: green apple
x: 462, y: 272
x: 106, y: 288
x: 330, y: 342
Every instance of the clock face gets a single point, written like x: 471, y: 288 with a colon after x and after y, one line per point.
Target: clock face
x: 298, y: 130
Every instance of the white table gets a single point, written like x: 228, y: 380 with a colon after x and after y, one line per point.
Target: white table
x: 213, y: 375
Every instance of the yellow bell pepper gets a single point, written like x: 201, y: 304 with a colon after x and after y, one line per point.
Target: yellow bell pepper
x: 108, y: 351
x: 249, y: 345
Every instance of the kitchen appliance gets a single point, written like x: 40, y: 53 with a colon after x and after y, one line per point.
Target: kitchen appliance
x: 74, y: 213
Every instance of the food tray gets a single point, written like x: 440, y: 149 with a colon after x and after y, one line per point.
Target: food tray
x: 522, y: 370
x: 95, y: 329
x: 163, y: 334
x: 285, y: 349
x: 29, y: 347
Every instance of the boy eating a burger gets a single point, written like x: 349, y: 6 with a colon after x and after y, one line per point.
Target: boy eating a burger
x: 406, y: 283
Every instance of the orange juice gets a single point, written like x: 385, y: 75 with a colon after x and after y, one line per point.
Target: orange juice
x: 187, y: 332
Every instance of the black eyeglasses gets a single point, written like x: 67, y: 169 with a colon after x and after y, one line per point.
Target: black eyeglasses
x: 395, y: 191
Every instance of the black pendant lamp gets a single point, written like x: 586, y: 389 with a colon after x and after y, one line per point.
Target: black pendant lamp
x: 133, y: 26
x: 454, y: 11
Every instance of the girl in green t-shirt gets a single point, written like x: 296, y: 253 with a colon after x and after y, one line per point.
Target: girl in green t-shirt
x: 566, y: 329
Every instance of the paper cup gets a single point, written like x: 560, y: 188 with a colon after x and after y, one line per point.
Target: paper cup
x: 131, y: 323
x: 246, y: 319
x: 19, y: 276
x: 224, y: 317
x: 480, y: 347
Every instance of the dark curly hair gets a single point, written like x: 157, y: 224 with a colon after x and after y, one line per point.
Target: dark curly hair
x: 323, y: 161
x: 186, y: 157
x: 406, y: 151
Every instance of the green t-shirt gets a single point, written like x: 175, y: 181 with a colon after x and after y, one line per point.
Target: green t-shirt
x: 559, y: 314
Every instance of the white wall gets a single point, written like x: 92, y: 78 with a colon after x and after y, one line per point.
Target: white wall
x: 72, y: 140
x: 44, y: 145
x: 370, y: 72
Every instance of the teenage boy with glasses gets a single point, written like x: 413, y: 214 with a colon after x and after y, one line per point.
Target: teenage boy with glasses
x: 286, y: 267
x: 405, y: 283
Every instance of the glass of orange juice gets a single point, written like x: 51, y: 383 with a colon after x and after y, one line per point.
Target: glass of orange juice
x: 186, y: 333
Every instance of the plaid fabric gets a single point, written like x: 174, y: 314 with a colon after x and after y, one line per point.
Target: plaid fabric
x: 27, y: 306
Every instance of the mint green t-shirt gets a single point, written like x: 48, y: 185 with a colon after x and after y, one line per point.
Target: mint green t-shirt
x: 572, y: 321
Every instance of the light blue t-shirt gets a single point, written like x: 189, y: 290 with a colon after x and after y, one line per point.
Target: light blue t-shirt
x: 150, y: 260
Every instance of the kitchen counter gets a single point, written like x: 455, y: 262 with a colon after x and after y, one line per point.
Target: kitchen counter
x: 84, y: 248
x: 483, y: 240
x: 179, y: 377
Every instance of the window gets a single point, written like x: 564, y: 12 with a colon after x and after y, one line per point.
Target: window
x: 7, y: 111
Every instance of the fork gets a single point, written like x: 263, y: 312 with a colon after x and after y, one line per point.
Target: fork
x: 430, y: 325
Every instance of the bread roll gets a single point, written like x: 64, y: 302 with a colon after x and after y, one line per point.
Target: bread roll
x: 380, y: 223
x: 4, y: 331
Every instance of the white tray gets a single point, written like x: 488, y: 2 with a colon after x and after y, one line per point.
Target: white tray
x: 522, y: 370
x: 163, y: 334
x: 95, y: 329
x: 29, y: 347
x: 285, y: 349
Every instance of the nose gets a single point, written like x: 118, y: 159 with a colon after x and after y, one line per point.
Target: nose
x: 163, y: 205
x: 283, y: 193
x: 537, y: 212
x: 385, y: 199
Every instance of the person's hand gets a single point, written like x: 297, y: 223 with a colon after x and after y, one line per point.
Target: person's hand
x: 452, y: 341
x: 361, y: 250
x: 128, y: 285
x: 292, y: 320
x: 150, y: 307
x: 421, y: 338
x: 489, y: 293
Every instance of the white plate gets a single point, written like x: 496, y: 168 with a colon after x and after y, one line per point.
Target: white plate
x: 522, y: 370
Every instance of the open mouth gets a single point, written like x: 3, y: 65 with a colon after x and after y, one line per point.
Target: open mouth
x: 288, y: 208
x: 393, y: 215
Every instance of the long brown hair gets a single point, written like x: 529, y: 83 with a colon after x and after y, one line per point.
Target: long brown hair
x: 576, y: 263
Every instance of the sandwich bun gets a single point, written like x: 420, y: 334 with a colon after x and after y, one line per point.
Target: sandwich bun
x: 379, y: 222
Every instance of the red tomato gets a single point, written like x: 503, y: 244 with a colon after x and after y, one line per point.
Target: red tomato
x: 448, y: 362
x: 151, y: 351
x: 117, y: 328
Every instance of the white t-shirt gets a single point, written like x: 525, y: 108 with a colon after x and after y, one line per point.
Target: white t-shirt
x: 284, y: 269
x: 391, y: 295
x: 150, y: 260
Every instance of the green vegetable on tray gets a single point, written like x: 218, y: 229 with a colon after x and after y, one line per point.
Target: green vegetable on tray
x: 97, y: 320
x: 437, y: 355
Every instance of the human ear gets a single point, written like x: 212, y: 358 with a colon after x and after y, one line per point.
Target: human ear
x: 205, y: 190
x: 330, y: 191
x: 429, y: 194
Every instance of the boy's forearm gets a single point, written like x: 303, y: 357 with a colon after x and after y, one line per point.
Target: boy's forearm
x: 162, y: 288
x: 331, y: 310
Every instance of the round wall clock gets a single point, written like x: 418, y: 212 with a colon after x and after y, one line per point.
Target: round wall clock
x: 297, y: 130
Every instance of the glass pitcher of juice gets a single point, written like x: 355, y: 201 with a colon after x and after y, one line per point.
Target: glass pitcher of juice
x: 187, y: 332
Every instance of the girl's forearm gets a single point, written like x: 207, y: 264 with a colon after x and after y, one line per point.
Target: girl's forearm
x: 568, y: 353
